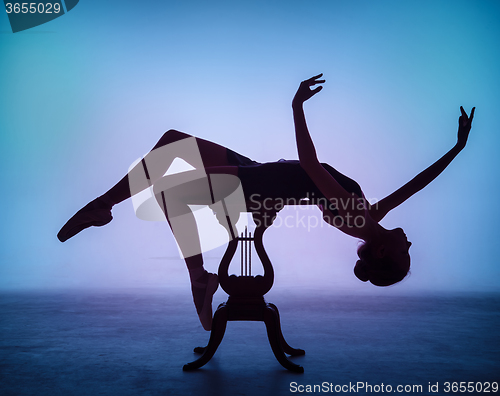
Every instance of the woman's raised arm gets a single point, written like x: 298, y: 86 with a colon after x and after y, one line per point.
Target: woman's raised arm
x: 308, y: 159
x: 305, y: 145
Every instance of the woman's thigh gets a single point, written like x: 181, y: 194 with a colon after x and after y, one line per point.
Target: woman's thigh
x: 212, y: 154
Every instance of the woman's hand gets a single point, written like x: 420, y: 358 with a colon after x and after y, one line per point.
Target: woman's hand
x: 464, y: 126
x: 305, y: 92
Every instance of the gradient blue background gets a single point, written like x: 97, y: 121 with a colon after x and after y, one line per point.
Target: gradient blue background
x: 85, y: 95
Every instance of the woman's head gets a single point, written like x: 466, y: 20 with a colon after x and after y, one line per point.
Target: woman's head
x: 385, y: 261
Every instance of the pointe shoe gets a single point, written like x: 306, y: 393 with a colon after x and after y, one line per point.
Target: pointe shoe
x: 203, y: 293
x: 95, y: 213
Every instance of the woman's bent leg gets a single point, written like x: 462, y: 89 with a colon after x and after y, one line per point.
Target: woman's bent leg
x: 98, y: 212
x: 174, y: 202
x: 212, y: 155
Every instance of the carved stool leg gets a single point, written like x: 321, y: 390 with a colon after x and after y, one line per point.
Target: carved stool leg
x: 219, y: 323
x: 271, y: 319
x: 286, y: 348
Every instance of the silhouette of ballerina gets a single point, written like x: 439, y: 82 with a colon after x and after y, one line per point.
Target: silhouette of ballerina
x: 383, y: 257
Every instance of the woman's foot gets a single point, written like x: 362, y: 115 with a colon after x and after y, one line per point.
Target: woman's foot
x: 203, y: 290
x: 96, y: 213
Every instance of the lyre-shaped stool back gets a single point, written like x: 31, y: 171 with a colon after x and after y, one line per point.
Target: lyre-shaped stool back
x: 245, y: 285
x: 246, y: 297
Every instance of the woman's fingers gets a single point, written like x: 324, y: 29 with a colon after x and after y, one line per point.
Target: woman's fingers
x: 305, y: 92
x: 316, y: 90
x: 314, y: 80
x: 463, y: 112
x: 464, y: 118
x: 464, y: 125
x: 316, y: 77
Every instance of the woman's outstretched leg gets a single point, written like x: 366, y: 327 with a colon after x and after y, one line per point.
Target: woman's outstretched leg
x: 98, y: 212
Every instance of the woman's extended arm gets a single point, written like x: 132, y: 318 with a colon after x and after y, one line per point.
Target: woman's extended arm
x: 307, y: 153
x: 384, y: 206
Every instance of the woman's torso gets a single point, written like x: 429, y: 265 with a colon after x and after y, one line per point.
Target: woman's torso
x: 285, y: 180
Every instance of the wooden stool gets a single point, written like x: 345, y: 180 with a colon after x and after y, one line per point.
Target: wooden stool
x: 246, y: 297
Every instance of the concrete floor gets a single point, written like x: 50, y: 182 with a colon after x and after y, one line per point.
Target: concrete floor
x: 136, y: 342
